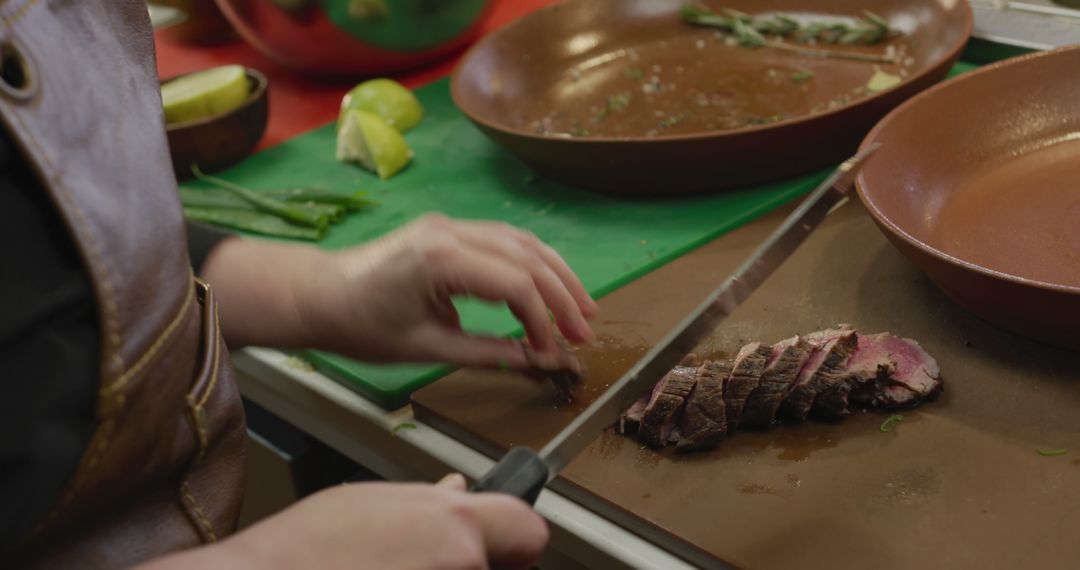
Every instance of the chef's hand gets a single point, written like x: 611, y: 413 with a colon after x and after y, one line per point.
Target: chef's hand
x: 390, y: 300
x: 383, y: 525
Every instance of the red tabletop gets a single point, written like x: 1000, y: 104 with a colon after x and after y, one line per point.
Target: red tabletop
x: 299, y: 103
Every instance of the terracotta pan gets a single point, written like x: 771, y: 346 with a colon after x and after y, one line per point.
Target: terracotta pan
x: 538, y: 87
x: 978, y: 182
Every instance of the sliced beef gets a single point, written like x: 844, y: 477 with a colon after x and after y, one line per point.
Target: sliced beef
x: 691, y: 360
x: 703, y: 423
x: 827, y: 372
x: 917, y: 377
x: 784, y: 364
x: 630, y: 421
x: 823, y: 369
x: 869, y: 362
x: 665, y: 404
x: 745, y: 375
x: 564, y: 370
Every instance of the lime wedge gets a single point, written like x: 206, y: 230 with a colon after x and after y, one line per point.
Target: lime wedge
x: 386, y: 98
x: 881, y: 81
x: 204, y: 93
x: 366, y: 139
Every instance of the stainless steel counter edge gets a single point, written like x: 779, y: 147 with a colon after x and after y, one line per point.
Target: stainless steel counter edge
x: 363, y: 431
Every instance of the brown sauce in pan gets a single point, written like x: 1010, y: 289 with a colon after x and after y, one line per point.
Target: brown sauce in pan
x: 1019, y: 216
x: 695, y: 83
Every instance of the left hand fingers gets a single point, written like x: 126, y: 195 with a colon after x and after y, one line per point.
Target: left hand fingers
x: 474, y: 272
x: 561, y: 289
x: 446, y: 313
x: 440, y: 344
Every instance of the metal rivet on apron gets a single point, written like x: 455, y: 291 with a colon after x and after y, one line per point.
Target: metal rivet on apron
x: 17, y: 77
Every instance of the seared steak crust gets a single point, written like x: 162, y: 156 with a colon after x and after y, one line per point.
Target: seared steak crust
x: 787, y: 358
x: 665, y: 404
x: 870, y: 362
x: 703, y: 423
x: 630, y: 421
x: 822, y: 370
x: 745, y: 375
x: 564, y: 371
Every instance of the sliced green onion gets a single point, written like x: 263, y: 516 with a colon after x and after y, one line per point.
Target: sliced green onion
x: 223, y: 199
x: 269, y: 205
x: 402, y: 426
x: 255, y: 222
x: 890, y: 423
x: 354, y: 201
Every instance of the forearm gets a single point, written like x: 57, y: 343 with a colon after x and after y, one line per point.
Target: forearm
x: 259, y: 288
x: 227, y: 554
x: 392, y: 300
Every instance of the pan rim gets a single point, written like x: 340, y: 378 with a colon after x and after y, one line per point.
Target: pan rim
x: 456, y: 78
x: 882, y: 219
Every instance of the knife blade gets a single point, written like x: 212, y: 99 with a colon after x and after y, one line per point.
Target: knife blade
x: 523, y: 473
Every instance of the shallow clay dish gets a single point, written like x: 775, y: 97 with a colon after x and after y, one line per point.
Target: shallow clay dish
x: 220, y: 141
x: 977, y: 181
x: 539, y: 87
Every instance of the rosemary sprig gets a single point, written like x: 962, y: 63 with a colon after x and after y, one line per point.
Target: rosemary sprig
x: 750, y: 31
x: 852, y: 55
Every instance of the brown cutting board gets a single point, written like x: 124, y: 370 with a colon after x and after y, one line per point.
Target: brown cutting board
x: 957, y: 484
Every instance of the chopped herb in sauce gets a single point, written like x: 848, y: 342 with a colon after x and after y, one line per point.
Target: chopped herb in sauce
x: 634, y: 73
x: 890, y: 423
x: 801, y: 76
x: 1051, y: 452
x: 614, y: 103
x: 671, y: 121
x: 765, y: 120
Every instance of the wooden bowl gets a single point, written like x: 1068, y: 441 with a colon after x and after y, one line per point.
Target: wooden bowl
x: 976, y: 182
x: 538, y: 87
x: 217, y: 142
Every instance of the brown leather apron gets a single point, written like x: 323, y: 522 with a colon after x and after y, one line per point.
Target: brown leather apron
x: 164, y: 467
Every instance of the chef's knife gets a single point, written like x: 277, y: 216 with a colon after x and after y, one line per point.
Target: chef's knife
x: 523, y: 473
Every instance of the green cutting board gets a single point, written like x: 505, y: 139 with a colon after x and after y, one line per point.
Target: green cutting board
x: 457, y: 171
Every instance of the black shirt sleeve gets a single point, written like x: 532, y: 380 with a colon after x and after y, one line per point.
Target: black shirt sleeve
x: 49, y: 346
x: 49, y: 349
x: 201, y: 241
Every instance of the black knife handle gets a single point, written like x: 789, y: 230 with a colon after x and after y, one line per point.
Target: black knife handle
x: 520, y: 473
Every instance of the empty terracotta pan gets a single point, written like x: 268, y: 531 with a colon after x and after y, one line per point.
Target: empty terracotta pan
x: 978, y: 182
x: 624, y: 96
